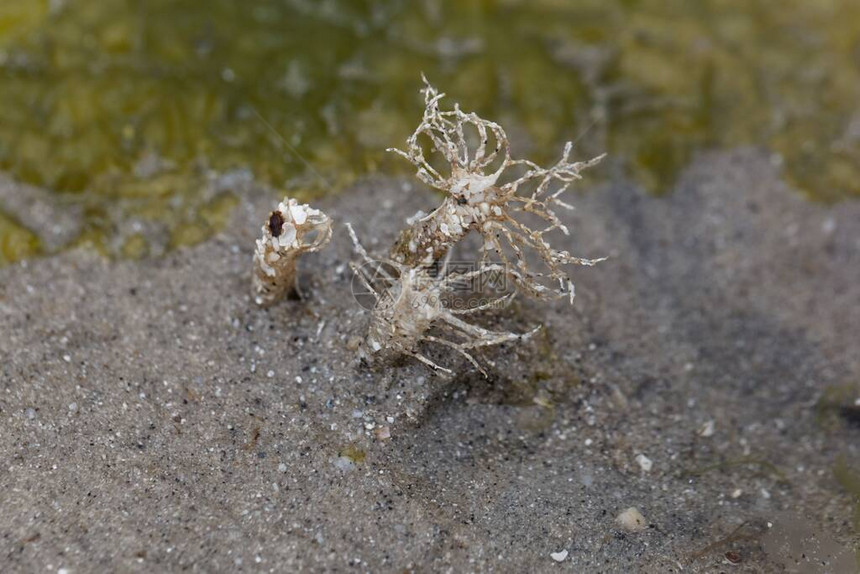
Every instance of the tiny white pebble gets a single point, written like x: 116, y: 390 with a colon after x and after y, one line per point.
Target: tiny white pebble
x: 707, y: 429
x: 632, y: 520
x: 73, y: 407
x: 559, y: 556
x: 645, y: 463
x: 737, y: 493
x: 282, y: 467
x: 67, y: 358
x: 270, y: 374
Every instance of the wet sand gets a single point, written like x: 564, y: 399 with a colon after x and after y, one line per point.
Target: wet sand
x: 155, y: 420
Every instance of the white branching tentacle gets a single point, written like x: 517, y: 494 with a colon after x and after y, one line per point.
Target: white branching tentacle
x: 475, y: 200
x: 290, y: 231
x: 409, y: 305
x: 496, y: 303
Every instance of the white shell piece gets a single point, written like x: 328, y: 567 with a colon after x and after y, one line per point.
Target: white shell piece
x: 288, y: 235
x: 298, y: 213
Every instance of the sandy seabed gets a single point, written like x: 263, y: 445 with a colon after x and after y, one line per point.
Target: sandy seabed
x: 154, y: 419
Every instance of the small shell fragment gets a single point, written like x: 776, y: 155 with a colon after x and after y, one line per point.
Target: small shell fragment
x: 645, y: 463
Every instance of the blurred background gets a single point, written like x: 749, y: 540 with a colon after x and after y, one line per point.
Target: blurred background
x: 124, y: 110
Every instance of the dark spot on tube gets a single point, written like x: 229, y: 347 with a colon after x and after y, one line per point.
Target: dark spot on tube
x: 276, y: 223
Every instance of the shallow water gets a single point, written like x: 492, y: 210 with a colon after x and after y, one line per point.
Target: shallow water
x: 123, y: 107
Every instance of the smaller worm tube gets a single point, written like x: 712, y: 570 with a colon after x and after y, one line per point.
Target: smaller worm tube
x: 289, y: 231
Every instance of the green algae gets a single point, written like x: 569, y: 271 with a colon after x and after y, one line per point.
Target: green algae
x: 836, y: 405
x: 353, y: 453
x: 16, y: 241
x: 92, y: 91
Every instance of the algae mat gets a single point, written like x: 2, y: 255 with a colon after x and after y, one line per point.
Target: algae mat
x: 124, y: 108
